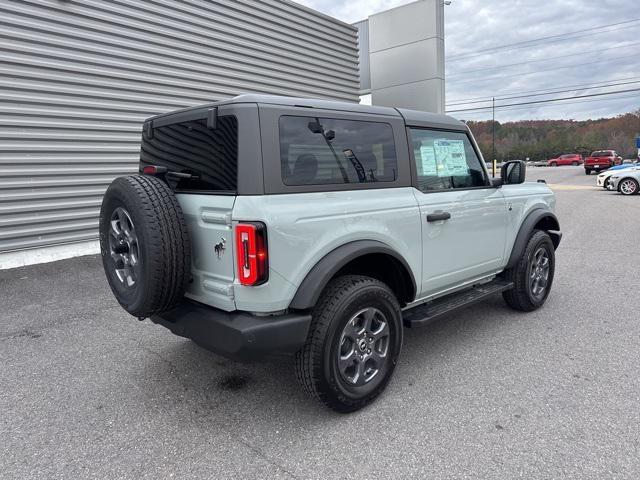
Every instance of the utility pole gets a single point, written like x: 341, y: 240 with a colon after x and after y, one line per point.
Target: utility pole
x: 493, y: 126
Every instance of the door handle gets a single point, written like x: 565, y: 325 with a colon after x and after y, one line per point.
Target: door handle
x: 437, y: 216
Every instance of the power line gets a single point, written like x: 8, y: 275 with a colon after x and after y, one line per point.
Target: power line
x: 547, y: 100
x: 548, y: 69
x: 488, y: 98
x: 591, y: 100
x: 542, y: 94
x: 498, y: 67
x: 536, y: 41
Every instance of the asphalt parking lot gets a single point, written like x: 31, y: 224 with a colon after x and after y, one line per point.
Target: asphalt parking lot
x: 89, y: 392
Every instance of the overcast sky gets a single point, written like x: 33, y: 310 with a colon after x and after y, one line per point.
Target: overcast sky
x: 592, y: 55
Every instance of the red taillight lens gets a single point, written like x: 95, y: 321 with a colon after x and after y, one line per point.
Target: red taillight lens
x: 251, y: 253
x: 154, y: 170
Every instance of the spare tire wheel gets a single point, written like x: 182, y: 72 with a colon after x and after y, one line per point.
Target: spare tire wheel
x: 144, y: 244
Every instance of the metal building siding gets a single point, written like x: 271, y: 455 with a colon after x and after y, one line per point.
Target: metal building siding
x: 77, y: 79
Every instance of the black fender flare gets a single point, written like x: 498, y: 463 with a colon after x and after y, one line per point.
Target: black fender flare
x: 316, y: 280
x: 552, y: 226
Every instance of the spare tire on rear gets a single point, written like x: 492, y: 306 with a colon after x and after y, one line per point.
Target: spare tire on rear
x: 144, y: 244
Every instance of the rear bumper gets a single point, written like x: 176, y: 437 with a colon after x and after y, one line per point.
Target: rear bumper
x: 237, y: 335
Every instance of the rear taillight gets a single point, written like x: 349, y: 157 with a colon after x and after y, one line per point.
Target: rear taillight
x: 251, y: 253
x: 154, y: 170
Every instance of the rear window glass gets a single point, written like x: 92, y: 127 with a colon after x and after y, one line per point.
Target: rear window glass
x: 209, y: 155
x: 605, y: 153
x: 320, y: 151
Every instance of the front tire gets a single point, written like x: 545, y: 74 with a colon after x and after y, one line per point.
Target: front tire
x: 628, y: 186
x: 533, y: 275
x: 353, y: 343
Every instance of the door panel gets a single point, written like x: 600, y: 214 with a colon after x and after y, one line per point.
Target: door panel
x: 469, y: 244
x: 463, y: 218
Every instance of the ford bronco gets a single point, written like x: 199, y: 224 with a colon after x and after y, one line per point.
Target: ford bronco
x: 269, y: 225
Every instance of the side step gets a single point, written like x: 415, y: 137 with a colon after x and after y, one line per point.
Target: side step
x: 427, y: 312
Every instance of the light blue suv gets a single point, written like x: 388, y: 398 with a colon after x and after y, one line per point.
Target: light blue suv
x: 271, y: 225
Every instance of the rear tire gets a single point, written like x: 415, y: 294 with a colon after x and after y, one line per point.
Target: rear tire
x: 345, y: 363
x: 532, y: 276
x: 144, y: 244
x: 575, y: 164
x: 587, y: 172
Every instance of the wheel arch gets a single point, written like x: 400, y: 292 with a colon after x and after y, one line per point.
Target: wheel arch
x: 538, y: 219
x: 362, y: 257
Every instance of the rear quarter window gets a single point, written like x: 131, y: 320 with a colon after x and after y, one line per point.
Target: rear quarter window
x: 328, y: 151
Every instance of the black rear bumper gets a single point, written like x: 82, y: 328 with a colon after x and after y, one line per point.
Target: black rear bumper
x: 237, y: 335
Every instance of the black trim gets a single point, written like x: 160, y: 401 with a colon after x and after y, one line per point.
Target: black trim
x: 527, y: 227
x: 311, y: 287
x: 236, y: 335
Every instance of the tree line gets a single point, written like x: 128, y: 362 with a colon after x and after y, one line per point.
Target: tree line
x: 545, y: 139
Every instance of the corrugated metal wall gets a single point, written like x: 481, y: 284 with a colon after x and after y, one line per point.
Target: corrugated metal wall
x: 77, y: 78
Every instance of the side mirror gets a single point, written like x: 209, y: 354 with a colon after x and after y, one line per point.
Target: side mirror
x: 513, y: 172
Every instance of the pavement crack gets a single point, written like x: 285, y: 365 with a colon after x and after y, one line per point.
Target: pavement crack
x: 24, y: 333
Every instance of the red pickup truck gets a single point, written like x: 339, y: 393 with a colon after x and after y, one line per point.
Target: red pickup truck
x: 601, y: 160
x: 568, y: 159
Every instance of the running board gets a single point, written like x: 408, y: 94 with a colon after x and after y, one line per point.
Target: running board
x: 427, y: 312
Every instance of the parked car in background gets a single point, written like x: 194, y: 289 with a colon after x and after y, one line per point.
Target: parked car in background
x: 574, y: 159
x: 626, y: 181
x: 603, y: 178
x: 601, y: 160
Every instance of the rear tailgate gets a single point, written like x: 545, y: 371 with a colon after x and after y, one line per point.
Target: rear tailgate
x: 212, y: 248
x: 200, y: 157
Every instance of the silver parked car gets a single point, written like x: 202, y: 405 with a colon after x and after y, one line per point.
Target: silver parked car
x: 626, y: 181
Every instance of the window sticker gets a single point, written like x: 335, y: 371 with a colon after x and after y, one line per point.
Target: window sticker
x: 450, y: 158
x: 428, y: 157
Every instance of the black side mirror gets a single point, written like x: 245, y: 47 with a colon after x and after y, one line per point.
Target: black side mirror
x: 513, y: 172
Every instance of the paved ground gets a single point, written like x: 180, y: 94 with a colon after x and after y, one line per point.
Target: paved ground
x: 89, y: 392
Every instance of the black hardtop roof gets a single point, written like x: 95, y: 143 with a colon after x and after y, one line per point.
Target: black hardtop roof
x: 411, y: 117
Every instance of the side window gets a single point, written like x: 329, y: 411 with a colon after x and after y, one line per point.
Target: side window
x: 445, y: 160
x: 325, y: 151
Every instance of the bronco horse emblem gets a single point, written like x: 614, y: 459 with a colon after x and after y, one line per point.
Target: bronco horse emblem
x: 219, y: 248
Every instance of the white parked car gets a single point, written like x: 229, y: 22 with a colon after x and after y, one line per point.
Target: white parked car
x: 603, y: 178
x: 626, y: 181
